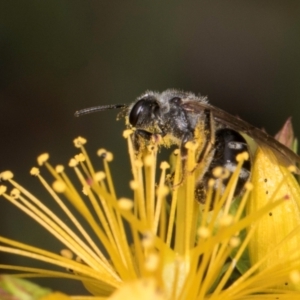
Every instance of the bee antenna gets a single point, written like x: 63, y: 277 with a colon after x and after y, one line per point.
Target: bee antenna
x: 93, y: 109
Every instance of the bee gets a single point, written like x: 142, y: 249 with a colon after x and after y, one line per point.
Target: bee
x: 176, y: 117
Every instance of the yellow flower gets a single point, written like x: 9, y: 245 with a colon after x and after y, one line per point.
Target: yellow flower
x: 161, y: 244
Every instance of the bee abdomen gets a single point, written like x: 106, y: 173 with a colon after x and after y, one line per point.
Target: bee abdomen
x: 228, y: 144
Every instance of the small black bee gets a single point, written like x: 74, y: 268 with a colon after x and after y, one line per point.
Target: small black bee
x: 176, y: 116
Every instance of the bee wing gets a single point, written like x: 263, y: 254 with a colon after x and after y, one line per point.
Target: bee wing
x: 283, y: 154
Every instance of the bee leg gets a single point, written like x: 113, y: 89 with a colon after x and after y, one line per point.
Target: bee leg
x: 207, y: 149
x: 187, y: 137
x: 201, y: 190
x: 210, y: 139
x: 205, y: 157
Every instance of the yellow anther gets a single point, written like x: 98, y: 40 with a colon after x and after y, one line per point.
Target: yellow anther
x: 203, y: 232
x: 3, y: 189
x: 162, y: 191
x: 292, y: 169
x: 234, y: 242
x: 59, y: 186
x: 149, y: 160
x: 6, y: 175
x: 109, y: 156
x: 164, y: 165
x: 99, y: 176
x: 125, y: 204
x: 242, y: 156
x: 59, y: 168
x: 15, y: 193
x: 80, y: 157
x: 42, y: 158
x: 73, y: 163
x: 133, y: 184
x: 211, y: 182
x: 78, y: 142
x: 34, y: 171
x: 67, y: 253
x: 226, y: 220
x: 217, y: 172
x: 127, y: 133
x: 101, y: 152
x: 249, y: 186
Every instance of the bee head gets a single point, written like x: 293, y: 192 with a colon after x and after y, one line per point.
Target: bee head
x: 145, y: 112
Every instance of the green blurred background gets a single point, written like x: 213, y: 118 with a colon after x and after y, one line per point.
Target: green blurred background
x: 59, y: 56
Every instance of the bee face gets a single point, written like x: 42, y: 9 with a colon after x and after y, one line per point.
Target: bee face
x: 176, y: 116
x: 163, y: 114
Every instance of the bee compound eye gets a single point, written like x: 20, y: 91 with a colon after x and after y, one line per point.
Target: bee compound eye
x: 136, y: 110
x: 143, y: 110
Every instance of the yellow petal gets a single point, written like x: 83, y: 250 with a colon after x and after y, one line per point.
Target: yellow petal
x: 270, y: 183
